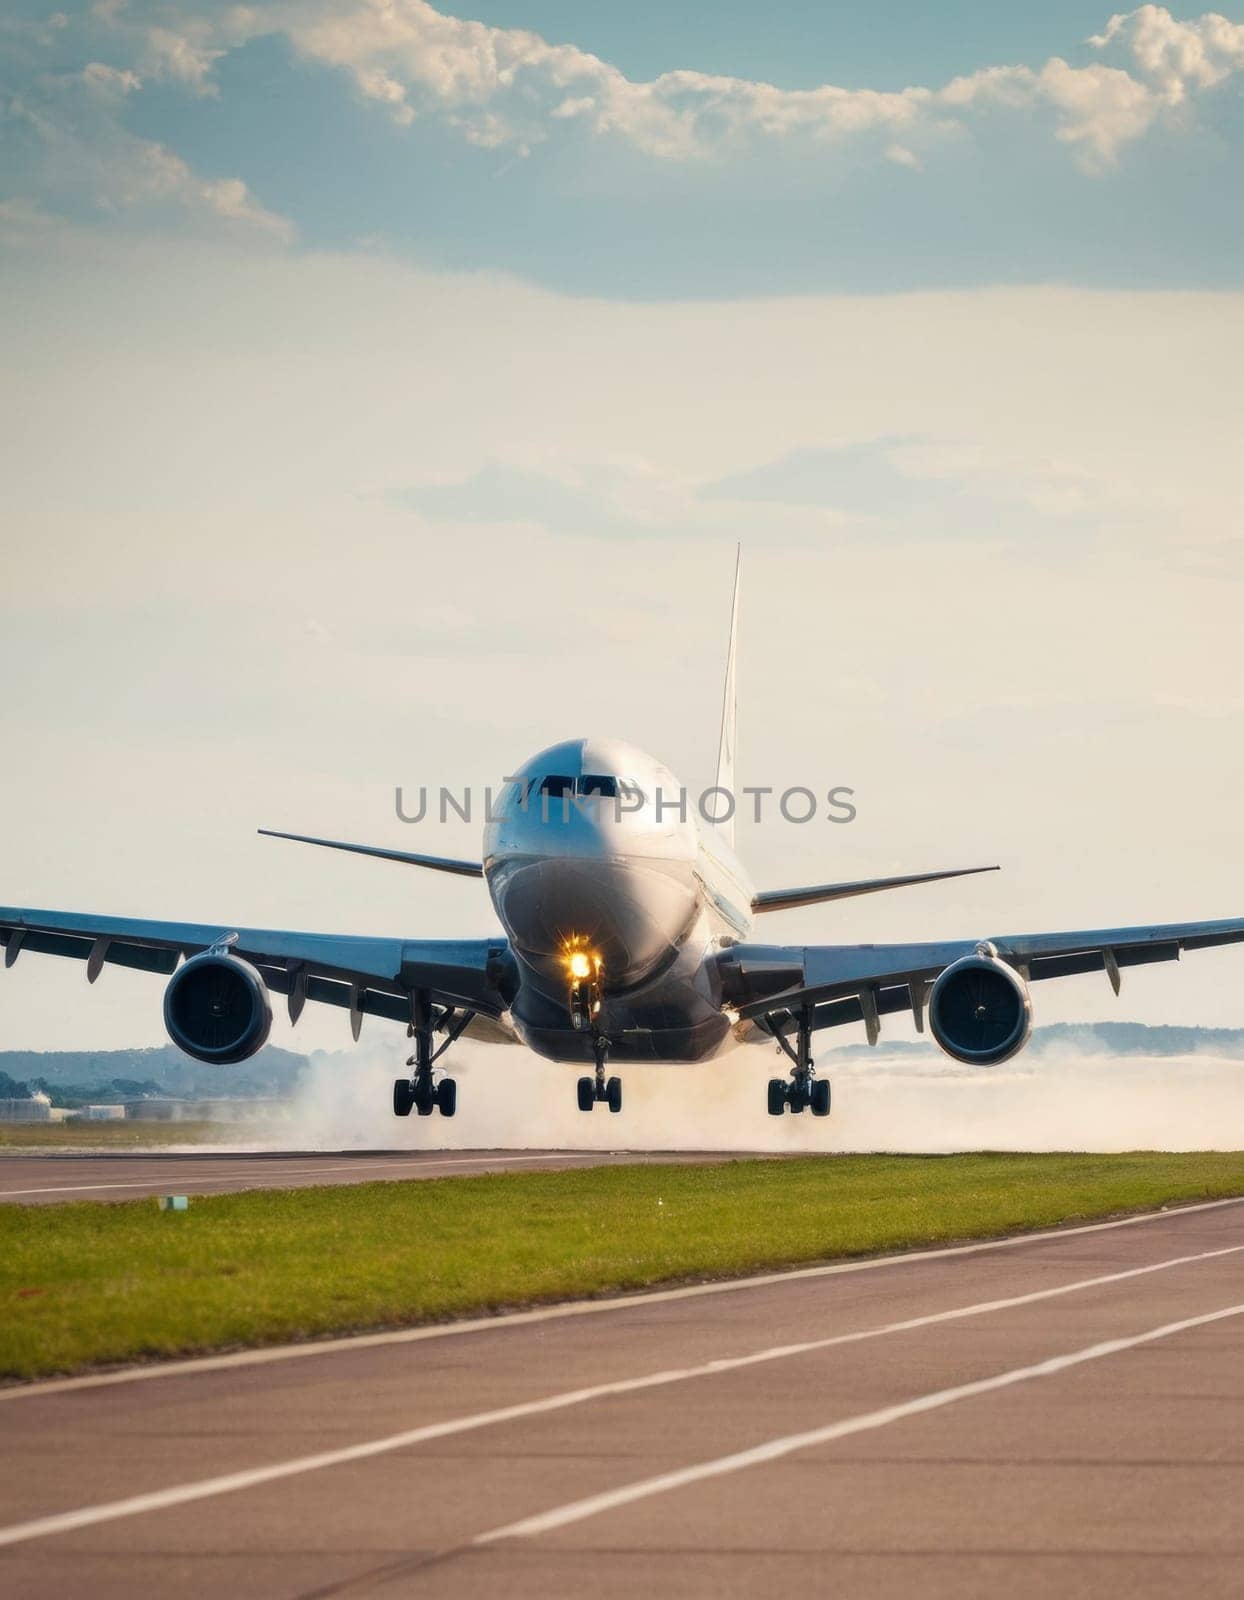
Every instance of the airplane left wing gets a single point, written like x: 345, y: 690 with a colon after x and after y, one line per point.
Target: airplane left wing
x: 377, y: 977
x: 771, y: 984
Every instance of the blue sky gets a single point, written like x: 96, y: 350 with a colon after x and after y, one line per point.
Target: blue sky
x: 372, y: 367
x: 804, y: 148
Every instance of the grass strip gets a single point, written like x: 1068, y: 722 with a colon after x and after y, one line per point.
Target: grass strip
x: 85, y: 1284
x: 124, y: 1134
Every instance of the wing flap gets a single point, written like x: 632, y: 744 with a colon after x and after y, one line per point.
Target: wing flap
x: 1095, y: 960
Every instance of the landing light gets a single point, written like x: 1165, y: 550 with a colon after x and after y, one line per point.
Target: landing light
x: 580, y: 966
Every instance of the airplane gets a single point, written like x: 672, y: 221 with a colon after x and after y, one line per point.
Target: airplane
x: 627, y: 937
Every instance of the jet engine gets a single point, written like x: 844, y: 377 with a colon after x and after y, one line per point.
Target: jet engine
x: 216, y: 1009
x: 979, y: 1010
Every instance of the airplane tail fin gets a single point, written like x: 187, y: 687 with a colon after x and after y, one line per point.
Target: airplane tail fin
x: 726, y: 748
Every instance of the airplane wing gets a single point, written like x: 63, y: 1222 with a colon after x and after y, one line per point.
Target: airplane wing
x: 815, y: 893
x: 462, y: 869
x: 771, y: 984
x: 376, y: 977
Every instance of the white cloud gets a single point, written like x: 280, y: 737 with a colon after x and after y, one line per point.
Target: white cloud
x: 74, y: 152
x: 1177, y: 56
x: 232, y: 201
x: 509, y: 86
x: 902, y: 156
x: 110, y: 80
x: 184, y: 56
x: 143, y: 173
x: 1100, y: 109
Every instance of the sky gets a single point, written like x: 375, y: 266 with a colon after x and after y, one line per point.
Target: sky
x: 385, y: 390
x: 648, y: 152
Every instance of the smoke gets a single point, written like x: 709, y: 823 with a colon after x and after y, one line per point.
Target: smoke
x: 915, y: 1102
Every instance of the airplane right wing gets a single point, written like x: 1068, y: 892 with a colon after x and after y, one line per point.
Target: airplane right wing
x: 772, y: 985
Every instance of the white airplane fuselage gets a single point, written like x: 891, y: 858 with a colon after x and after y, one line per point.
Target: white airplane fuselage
x: 598, y: 864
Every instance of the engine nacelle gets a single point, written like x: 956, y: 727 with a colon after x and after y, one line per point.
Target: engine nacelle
x: 979, y: 1010
x: 216, y: 1008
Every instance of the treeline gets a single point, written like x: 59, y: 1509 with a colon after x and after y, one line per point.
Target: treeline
x: 92, y: 1075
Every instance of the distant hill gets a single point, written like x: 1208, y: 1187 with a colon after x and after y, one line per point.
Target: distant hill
x: 1138, y: 1039
x: 1099, y: 1038
x: 110, y: 1076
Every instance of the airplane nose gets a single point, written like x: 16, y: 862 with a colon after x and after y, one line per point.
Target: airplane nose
x: 630, y: 915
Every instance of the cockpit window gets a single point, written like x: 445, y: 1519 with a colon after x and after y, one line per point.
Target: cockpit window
x: 597, y: 783
x: 557, y: 786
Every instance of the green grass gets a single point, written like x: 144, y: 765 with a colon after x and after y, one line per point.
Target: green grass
x: 85, y: 1284
x: 120, y: 1135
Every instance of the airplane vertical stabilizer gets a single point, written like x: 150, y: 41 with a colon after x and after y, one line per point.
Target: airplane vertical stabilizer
x: 727, y: 748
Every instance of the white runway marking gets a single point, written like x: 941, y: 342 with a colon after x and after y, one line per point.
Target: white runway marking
x: 581, y: 1308
x: 774, y: 1449
x: 250, y: 1478
x: 300, y: 1172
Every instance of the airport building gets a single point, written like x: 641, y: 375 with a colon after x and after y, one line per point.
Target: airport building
x: 33, y: 1108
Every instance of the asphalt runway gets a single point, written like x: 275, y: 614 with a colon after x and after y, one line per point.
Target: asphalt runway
x: 28, y: 1179
x: 1061, y: 1413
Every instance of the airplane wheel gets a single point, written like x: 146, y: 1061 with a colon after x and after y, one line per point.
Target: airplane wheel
x: 777, y: 1096
x: 613, y: 1094
x: 820, y: 1097
x: 447, y: 1096
x: 403, y: 1099
x: 587, y: 1093
x: 425, y: 1099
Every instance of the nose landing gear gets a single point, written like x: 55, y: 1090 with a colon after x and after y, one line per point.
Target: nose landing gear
x: 599, y: 1089
x: 803, y: 1091
x: 584, y: 970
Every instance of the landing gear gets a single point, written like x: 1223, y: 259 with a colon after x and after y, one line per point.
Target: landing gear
x: 607, y: 1091
x: 803, y: 1091
x: 425, y: 1097
x: 584, y: 1003
x: 420, y: 1092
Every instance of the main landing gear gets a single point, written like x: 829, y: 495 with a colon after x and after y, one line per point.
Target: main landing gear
x: 600, y: 1089
x: 420, y: 1092
x: 803, y: 1091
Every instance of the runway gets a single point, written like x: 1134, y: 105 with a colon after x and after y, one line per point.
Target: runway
x: 1056, y: 1413
x: 27, y: 1179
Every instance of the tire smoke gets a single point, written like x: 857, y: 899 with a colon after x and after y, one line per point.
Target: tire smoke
x: 915, y: 1103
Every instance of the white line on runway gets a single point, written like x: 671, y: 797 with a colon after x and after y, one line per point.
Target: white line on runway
x: 413, y: 1162
x: 250, y: 1478
x: 584, y: 1308
x: 577, y: 1510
